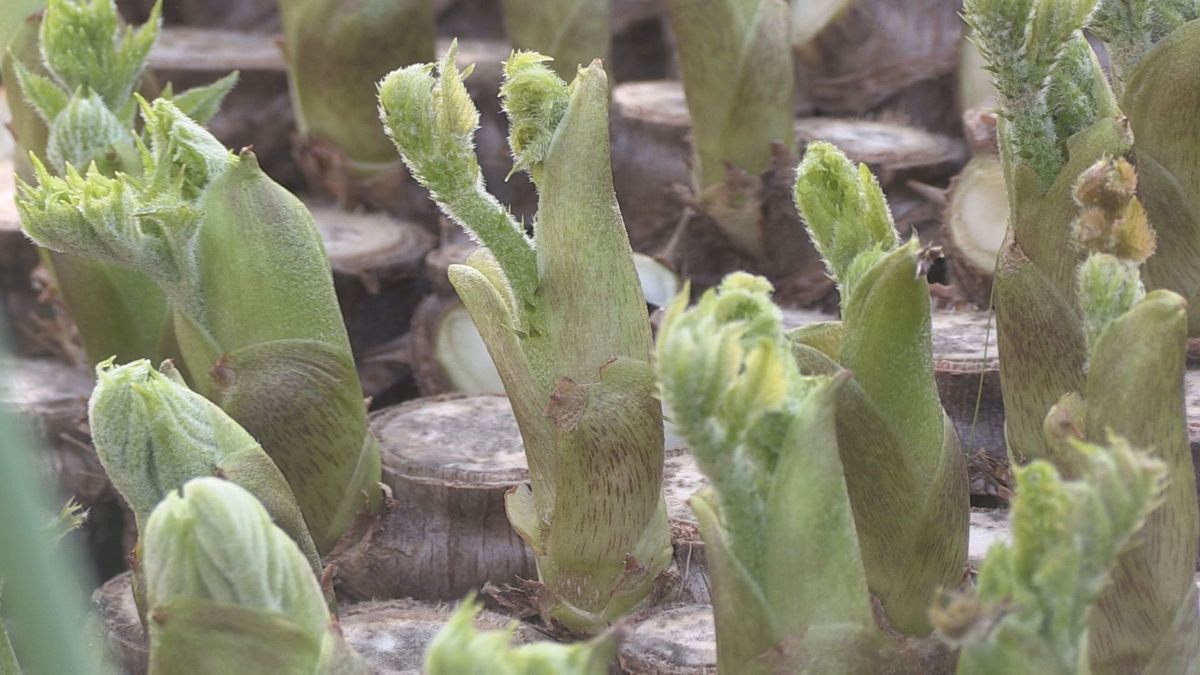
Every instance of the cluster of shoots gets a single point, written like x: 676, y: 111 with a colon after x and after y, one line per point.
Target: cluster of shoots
x: 564, y: 319
x: 836, y: 517
x: 797, y: 559
x: 251, y: 302
x: 74, y: 81
x: 1087, y: 355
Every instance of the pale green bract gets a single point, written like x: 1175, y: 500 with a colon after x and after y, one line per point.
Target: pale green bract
x: 845, y: 212
x: 147, y: 222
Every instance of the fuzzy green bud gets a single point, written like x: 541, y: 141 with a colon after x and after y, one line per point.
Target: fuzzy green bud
x: 432, y: 122
x: 1036, y: 595
x: 535, y: 100
x: 214, y: 541
x: 153, y: 434
x: 84, y: 47
x: 1108, y: 287
x: 227, y: 589
x: 86, y: 131
x: 765, y: 437
x: 215, y: 232
x: 146, y: 223
x: 845, y: 212
x: 1041, y: 63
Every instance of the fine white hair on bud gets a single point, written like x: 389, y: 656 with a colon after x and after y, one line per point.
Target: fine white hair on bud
x: 212, y: 540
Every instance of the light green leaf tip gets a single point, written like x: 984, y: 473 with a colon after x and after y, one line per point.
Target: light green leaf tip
x: 86, y: 131
x: 461, y: 648
x: 153, y: 434
x: 1107, y: 288
x: 535, y: 100
x: 730, y: 386
x: 844, y: 210
x: 432, y: 121
x: 145, y: 222
x: 83, y: 46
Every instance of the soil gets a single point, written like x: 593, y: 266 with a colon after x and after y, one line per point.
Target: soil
x: 891, y: 59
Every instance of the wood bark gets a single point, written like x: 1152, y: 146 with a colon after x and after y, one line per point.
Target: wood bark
x: 448, y: 462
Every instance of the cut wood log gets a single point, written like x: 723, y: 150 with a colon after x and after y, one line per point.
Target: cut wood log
x: 258, y: 113
x: 975, y: 223
x: 676, y: 641
x: 975, y: 218
x: 391, y: 635
x: 377, y: 266
x: 386, y: 373
x: 49, y: 399
x: 448, y: 353
x: 439, y: 260
x: 690, y: 580
x: 448, y: 462
x: 23, y: 312
x: 651, y: 151
x: 682, y: 641
x: 888, y: 58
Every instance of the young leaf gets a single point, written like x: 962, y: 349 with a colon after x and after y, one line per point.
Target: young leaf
x: 905, y: 472
x: 153, y: 434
